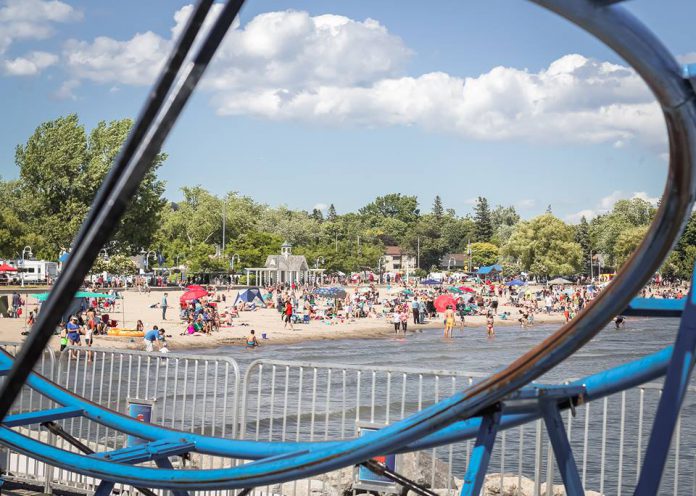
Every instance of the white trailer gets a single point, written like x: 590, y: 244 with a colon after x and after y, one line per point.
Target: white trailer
x: 36, y: 270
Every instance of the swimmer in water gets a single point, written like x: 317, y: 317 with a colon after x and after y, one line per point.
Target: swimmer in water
x: 251, y: 341
x: 619, y: 321
x: 449, y: 321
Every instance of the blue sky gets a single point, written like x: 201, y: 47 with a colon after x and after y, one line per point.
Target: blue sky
x: 318, y: 102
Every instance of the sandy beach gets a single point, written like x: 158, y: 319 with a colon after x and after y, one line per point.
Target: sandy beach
x: 137, y: 305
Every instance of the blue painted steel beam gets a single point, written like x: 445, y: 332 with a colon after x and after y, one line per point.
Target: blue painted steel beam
x: 165, y: 463
x: 481, y: 454
x: 148, y: 451
x: 549, y: 391
x: 655, y: 307
x: 104, y: 489
x: 561, y: 448
x: 673, y: 392
x: 41, y: 416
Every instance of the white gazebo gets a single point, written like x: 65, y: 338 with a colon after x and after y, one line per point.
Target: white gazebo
x: 284, y: 268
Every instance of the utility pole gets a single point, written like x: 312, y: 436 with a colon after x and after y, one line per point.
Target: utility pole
x: 418, y: 253
x: 224, y: 222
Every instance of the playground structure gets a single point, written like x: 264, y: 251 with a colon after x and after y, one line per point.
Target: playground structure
x: 503, y: 400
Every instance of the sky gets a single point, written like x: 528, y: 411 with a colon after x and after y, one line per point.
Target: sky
x: 313, y: 102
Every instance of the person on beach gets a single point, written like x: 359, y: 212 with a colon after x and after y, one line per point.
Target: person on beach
x: 164, y: 306
x: 151, y: 336
x: 63, y: 337
x: 403, y: 316
x: 288, y: 315
x: 449, y: 321
x: 396, y: 320
x: 251, y: 341
x: 73, y: 330
x: 415, y: 307
x: 489, y: 325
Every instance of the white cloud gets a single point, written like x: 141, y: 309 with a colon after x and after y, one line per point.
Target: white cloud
x: 606, y: 203
x: 66, y: 90
x: 105, y: 60
x: 31, y: 64
x: 333, y: 70
x: 320, y: 206
x: 32, y: 19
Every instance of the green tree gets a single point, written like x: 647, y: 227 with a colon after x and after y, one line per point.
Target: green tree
x: 627, y: 242
x: 394, y: 205
x: 544, y: 246
x: 438, y: 209
x: 482, y: 219
x: 484, y: 254
x: 331, y: 214
x: 60, y: 171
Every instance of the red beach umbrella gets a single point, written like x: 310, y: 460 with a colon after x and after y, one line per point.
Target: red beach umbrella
x: 194, y: 287
x: 444, y: 301
x: 467, y: 289
x: 193, y: 294
x: 7, y: 268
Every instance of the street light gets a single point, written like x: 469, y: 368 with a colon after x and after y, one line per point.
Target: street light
x: 239, y: 261
x: 147, y: 257
x: 319, y: 261
x: 25, y: 251
x: 381, y: 261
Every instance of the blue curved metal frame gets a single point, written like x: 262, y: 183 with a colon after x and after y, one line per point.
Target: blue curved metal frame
x: 440, y: 423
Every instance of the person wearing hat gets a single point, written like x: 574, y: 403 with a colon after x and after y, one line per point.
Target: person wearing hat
x: 73, y: 329
x: 154, y: 335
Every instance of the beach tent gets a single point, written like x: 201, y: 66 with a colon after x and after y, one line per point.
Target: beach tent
x: 491, y: 269
x: 431, y: 282
x: 80, y: 294
x: 330, y: 292
x: 249, y: 295
x: 515, y: 282
x: 7, y: 268
x: 559, y: 280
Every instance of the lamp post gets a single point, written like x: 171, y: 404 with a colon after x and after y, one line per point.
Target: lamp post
x: 318, y: 262
x: 25, y: 251
x: 380, y: 264
x: 232, y: 261
x: 147, y: 257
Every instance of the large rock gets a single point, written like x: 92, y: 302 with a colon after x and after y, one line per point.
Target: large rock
x: 512, y: 485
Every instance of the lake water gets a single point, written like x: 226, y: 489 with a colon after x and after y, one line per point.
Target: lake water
x: 471, y: 350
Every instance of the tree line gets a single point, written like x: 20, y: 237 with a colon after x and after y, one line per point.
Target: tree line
x: 61, y: 166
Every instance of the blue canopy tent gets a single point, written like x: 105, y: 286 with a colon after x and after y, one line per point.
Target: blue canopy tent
x: 515, y: 282
x: 330, y: 292
x: 249, y: 295
x: 431, y: 282
x: 490, y: 270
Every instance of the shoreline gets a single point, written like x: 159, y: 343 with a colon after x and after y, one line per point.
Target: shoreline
x: 144, y: 306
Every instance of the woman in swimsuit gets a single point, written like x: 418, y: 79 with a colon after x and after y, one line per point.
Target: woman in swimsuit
x: 449, y: 321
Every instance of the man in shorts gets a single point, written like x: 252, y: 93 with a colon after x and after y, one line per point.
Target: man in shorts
x: 73, y: 329
x: 151, y: 336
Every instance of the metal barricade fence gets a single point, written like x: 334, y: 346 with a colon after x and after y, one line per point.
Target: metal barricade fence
x: 284, y: 401
x: 18, y: 467
x: 317, y: 401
